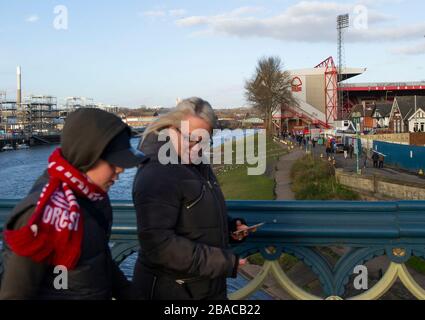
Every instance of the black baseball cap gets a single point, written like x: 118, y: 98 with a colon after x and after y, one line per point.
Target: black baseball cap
x: 119, y: 152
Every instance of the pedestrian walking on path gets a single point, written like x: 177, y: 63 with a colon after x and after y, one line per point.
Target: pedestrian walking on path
x: 351, y: 151
x: 375, y: 158
x: 345, y: 152
x: 328, y: 149
x: 365, y: 157
x: 381, y: 160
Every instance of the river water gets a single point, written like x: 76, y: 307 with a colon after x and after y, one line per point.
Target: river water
x: 20, y: 168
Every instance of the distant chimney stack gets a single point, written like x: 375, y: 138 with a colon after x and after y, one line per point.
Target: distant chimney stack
x: 18, y: 86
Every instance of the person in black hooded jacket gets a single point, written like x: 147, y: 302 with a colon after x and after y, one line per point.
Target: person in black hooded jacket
x: 95, y: 143
x: 183, y: 227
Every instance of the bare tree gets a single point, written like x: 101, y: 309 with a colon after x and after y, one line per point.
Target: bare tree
x: 269, y: 88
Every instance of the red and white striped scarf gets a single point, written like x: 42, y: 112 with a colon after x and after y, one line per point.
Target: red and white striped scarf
x: 54, y: 232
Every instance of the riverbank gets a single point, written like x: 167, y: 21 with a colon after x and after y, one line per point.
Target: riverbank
x: 235, y: 182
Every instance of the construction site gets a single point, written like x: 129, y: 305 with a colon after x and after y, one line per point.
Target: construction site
x: 37, y: 119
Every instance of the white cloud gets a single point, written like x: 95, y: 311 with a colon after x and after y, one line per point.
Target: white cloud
x: 32, y: 18
x: 177, y: 12
x: 154, y: 13
x: 397, y: 33
x: 306, y: 21
x: 410, y: 50
x: 163, y: 13
x: 379, y: 3
x: 246, y: 10
x: 193, y: 21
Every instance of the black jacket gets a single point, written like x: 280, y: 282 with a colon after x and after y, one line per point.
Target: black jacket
x: 183, y: 230
x: 96, y: 275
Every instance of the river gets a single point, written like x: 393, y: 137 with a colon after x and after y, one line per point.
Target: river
x: 20, y: 168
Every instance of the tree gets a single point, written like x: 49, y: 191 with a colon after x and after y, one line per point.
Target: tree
x: 269, y: 88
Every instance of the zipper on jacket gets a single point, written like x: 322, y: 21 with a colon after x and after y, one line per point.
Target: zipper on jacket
x: 209, y: 184
x: 221, y: 209
x: 195, y: 202
x: 153, y: 287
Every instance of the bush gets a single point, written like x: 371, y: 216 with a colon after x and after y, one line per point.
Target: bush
x: 315, y: 180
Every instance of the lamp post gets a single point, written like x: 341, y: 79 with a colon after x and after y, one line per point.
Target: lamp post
x: 357, y: 144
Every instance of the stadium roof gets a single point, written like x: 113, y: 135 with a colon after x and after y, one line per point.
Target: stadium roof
x: 347, y: 73
x: 384, y: 86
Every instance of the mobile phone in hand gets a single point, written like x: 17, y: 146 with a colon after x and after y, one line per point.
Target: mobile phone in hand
x: 250, y: 228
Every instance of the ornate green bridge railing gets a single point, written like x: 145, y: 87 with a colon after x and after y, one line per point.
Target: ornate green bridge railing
x: 300, y: 228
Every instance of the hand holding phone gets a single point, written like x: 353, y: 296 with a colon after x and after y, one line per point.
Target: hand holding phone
x: 248, y: 229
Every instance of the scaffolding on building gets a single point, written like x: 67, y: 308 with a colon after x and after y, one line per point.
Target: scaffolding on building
x: 74, y: 103
x: 108, y: 107
x: 40, y: 115
x: 8, y: 115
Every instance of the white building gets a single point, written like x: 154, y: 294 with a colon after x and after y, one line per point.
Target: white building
x: 417, y: 121
x: 404, y: 114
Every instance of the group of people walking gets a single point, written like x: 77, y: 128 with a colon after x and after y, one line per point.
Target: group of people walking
x: 66, y: 219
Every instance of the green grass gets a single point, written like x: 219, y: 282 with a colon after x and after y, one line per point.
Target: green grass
x: 313, y: 179
x: 237, y: 185
x: 286, y: 261
x: 417, y: 264
x: 235, y: 182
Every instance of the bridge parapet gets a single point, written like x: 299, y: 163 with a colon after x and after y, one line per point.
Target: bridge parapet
x: 300, y: 228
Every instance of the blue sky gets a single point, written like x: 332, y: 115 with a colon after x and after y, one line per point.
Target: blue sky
x: 151, y: 52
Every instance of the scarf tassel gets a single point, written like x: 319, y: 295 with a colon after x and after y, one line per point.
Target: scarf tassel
x: 24, y: 243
